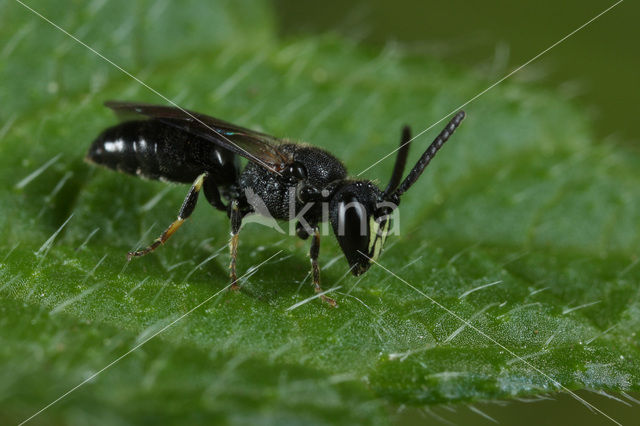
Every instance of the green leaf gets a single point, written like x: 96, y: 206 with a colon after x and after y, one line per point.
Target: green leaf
x: 524, y: 226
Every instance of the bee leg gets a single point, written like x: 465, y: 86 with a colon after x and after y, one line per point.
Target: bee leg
x: 211, y: 193
x: 187, y: 208
x: 314, y: 252
x: 236, y: 221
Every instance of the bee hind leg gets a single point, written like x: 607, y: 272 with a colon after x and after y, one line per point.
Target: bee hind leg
x: 188, y: 205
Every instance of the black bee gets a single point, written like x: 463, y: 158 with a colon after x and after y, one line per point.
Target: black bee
x: 292, y: 181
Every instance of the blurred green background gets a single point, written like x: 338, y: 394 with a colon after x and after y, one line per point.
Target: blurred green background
x: 598, y: 66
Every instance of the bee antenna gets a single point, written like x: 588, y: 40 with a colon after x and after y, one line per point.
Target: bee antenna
x: 401, y: 161
x: 428, y: 155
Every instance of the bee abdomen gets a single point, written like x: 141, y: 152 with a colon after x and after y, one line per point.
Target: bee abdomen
x: 155, y: 150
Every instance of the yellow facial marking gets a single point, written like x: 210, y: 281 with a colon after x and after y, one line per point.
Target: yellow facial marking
x: 373, y: 232
x: 376, y: 238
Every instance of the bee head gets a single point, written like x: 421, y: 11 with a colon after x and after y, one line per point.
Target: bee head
x: 360, y: 221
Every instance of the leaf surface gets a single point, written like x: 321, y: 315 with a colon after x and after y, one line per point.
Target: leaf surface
x: 524, y: 226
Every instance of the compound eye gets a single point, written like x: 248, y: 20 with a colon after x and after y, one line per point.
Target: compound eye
x: 298, y: 170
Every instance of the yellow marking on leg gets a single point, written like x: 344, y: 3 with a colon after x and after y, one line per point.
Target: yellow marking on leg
x: 233, y: 244
x: 199, y: 181
x: 233, y: 251
x: 161, y: 240
x: 171, y: 229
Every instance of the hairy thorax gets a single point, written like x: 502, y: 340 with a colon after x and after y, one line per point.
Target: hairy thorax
x: 264, y: 189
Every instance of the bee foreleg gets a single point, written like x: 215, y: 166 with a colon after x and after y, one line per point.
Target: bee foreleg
x: 188, y: 205
x: 236, y: 221
x: 314, y: 252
